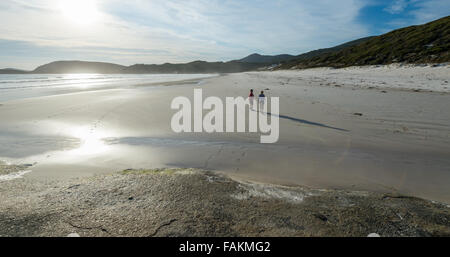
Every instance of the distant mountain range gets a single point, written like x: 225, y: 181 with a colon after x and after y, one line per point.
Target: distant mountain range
x: 428, y: 43
x: 193, y: 67
x: 62, y: 67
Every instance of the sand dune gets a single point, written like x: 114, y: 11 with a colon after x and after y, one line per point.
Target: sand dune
x: 395, y: 76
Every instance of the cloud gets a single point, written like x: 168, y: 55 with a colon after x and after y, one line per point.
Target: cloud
x: 418, y: 11
x: 414, y: 12
x: 243, y: 26
x: 185, y: 30
x: 429, y: 10
x: 158, y: 31
x: 396, y: 7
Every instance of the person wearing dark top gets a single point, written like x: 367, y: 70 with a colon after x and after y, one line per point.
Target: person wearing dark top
x: 261, y: 100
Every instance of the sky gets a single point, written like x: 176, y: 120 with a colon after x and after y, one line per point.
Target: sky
x: 35, y: 32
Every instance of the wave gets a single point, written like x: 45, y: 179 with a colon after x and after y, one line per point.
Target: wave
x: 15, y: 175
x: 12, y: 83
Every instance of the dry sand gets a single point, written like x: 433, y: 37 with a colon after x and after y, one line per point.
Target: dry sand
x: 357, y: 128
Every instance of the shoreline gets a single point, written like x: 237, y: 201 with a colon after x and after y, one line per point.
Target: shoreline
x: 92, y: 85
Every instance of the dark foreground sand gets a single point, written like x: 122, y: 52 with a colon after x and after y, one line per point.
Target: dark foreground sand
x: 188, y: 202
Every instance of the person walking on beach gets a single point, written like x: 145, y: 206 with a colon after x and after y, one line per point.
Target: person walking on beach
x: 251, y: 98
x: 261, y: 100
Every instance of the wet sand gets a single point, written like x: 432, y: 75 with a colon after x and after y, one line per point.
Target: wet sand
x: 334, y: 133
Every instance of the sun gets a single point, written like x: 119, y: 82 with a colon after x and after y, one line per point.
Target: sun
x: 82, y: 12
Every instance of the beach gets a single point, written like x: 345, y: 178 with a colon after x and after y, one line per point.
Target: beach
x: 378, y: 130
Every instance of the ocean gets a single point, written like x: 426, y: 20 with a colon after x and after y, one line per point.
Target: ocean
x: 13, y: 87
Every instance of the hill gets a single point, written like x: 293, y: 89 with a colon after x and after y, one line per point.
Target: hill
x: 276, y: 59
x: 78, y: 67
x: 334, y: 49
x: 428, y: 43
x: 12, y: 71
x: 267, y: 59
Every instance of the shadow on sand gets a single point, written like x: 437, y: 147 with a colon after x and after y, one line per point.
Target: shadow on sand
x: 306, y: 122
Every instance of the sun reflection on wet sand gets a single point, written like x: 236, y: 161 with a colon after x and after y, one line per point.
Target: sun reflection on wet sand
x: 91, y: 141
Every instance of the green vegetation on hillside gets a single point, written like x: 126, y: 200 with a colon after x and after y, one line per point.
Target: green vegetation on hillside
x: 428, y: 43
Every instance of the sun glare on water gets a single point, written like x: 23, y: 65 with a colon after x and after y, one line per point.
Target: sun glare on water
x: 81, y: 12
